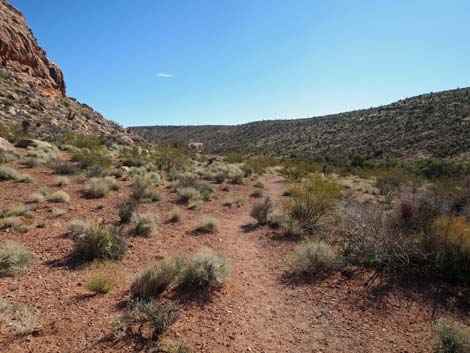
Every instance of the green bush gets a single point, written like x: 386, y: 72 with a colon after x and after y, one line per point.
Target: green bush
x: 257, y: 193
x: 14, y: 258
x: 312, y: 199
x: 206, y: 270
x: 153, y: 281
x: 87, y: 158
x: 452, y: 337
x: 100, y: 284
x: 438, y: 168
x: 102, y: 242
x: 314, y: 257
x: 65, y: 168
x: 234, y: 157
x: 260, y: 211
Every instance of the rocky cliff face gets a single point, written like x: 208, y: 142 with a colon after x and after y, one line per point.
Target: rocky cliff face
x: 21, y: 55
x: 32, y: 89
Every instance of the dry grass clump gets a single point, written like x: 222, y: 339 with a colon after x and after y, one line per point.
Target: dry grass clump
x: 59, y: 196
x: 175, y: 217
x: 77, y: 228
x: 100, y: 284
x: 205, y: 271
x: 126, y: 210
x: 37, y: 197
x: 14, y: 258
x: 260, y: 211
x: 153, y: 281
x: 62, y: 181
x: 23, y: 319
x: 143, y: 224
x: 257, y: 193
x: 451, y: 337
x: 100, y: 187
x: 207, y: 225
x: 102, y: 242
x: 7, y: 173
x: 142, y: 190
x: 314, y: 257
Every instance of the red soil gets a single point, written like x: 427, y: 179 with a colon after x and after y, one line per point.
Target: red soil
x: 262, y: 308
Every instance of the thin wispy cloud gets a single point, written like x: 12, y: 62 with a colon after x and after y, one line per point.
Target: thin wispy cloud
x: 165, y: 75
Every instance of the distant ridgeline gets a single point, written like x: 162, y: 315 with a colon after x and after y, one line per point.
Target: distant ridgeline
x: 429, y: 125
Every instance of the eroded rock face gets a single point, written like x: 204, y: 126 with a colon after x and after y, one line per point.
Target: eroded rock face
x: 21, y: 55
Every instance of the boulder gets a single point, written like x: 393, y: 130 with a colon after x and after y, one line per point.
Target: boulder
x: 6, y: 146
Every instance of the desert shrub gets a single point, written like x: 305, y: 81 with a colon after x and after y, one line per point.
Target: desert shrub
x: 296, y: 170
x: 259, y: 184
x: 88, y: 158
x: 189, y: 194
x: 17, y: 224
x: 169, y: 158
x: 143, y: 224
x: 153, y: 281
x: 206, y: 225
x: 14, y: 258
x: 257, y: 165
x: 452, y: 337
x: 276, y: 220
x: 234, y: 157
x: 59, y: 196
x: 133, y: 157
x: 100, y: 284
x: 175, y: 217
x: 371, y: 239
x: 126, y: 210
x: 387, y: 183
x: 7, y: 157
x: 260, y: 211
x: 314, y: 257
x: 438, y: 168
x: 142, y: 192
x: 448, y: 245
x: 7, y: 173
x: 19, y: 211
x: 97, y: 188
x: 81, y: 141
x: 62, y: 181
x: 77, y: 228
x: 257, y: 193
x: 23, y: 319
x: 178, y: 348
x: 65, y: 168
x: 236, y: 179
x: 37, y: 197
x: 293, y: 228
x: 102, y: 242
x: 206, y: 270
x: 312, y: 199
x: 57, y: 212
x: 150, y: 314
x: 415, y: 213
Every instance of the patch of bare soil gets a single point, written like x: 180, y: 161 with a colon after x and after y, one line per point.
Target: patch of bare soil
x: 262, y: 308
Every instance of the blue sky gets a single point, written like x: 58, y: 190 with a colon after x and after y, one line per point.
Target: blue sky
x: 185, y: 62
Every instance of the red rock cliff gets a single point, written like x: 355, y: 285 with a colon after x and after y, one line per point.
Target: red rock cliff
x: 21, y: 55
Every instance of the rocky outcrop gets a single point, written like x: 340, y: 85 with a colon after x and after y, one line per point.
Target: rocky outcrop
x: 21, y: 55
x: 32, y: 89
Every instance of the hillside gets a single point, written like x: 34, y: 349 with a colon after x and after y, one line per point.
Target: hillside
x: 435, y: 124
x: 32, y: 88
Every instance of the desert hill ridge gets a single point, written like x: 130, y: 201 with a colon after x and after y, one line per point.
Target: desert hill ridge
x: 429, y: 125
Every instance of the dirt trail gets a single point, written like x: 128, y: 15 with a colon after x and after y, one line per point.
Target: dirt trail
x: 255, y: 312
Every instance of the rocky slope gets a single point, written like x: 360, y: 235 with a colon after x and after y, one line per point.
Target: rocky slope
x: 429, y: 125
x: 32, y: 88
